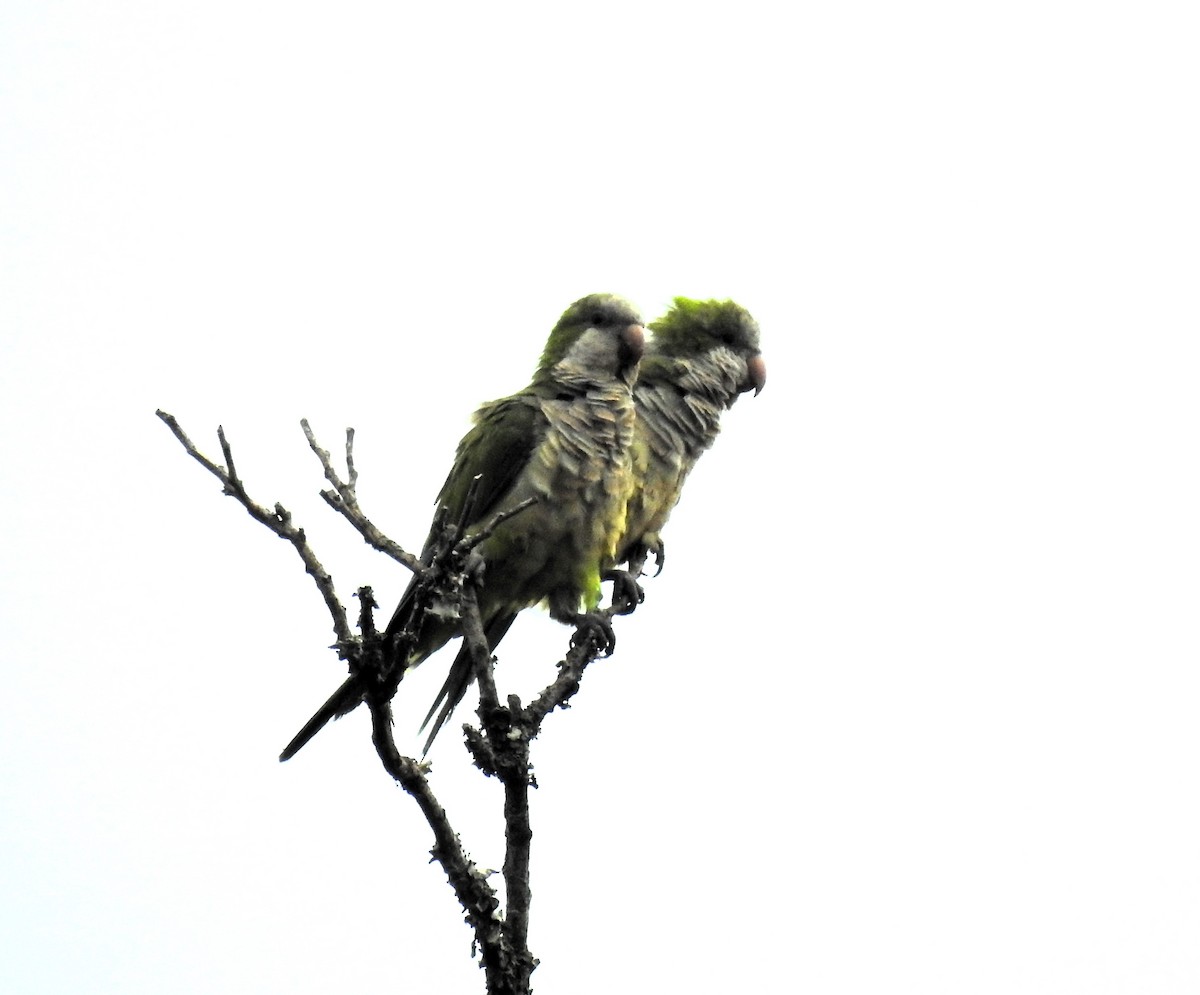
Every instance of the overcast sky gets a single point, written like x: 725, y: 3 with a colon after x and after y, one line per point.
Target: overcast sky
x: 912, y: 707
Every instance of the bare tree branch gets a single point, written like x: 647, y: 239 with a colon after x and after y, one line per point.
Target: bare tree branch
x: 343, y: 499
x: 501, y: 744
x: 477, y: 897
x: 502, y: 750
x: 475, y: 538
x: 278, y: 520
x: 480, y: 655
x: 566, y: 684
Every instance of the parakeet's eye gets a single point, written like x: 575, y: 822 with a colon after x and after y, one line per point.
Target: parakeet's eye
x: 598, y: 319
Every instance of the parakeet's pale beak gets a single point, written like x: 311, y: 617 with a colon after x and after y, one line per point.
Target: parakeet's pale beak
x: 633, y: 344
x: 756, y: 374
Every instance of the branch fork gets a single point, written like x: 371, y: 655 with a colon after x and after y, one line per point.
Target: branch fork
x: 499, y: 745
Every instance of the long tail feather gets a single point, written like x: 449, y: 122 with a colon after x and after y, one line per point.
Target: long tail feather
x: 343, y: 700
x: 461, y: 676
x: 349, y: 695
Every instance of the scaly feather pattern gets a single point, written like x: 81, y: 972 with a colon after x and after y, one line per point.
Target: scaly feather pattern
x: 565, y: 440
x: 703, y: 356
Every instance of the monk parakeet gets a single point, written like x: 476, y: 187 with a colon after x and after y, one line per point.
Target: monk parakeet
x: 702, y: 356
x: 566, y: 441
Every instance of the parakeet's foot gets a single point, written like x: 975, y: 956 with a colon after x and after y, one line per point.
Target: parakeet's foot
x: 644, y: 550
x: 596, y: 628
x: 627, y: 592
x: 658, y: 549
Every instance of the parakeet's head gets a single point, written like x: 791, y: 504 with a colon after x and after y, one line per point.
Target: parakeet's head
x: 600, y: 334
x: 693, y: 328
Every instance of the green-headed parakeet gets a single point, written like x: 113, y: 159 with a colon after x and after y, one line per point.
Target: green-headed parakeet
x: 564, y: 440
x: 701, y: 357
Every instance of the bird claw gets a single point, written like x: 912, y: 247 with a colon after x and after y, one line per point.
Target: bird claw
x: 595, y: 628
x: 627, y: 592
x: 649, y: 546
x: 659, y: 551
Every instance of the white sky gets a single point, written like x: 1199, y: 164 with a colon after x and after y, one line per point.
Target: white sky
x: 913, y: 706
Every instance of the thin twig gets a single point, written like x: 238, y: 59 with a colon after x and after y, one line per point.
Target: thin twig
x: 343, y: 499
x: 476, y: 641
x: 566, y: 684
x: 278, y: 520
x: 351, y: 472
x: 493, y: 523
